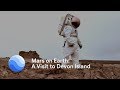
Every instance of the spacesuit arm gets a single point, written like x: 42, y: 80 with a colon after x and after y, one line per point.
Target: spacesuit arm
x: 59, y: 28
x: 79, y: 42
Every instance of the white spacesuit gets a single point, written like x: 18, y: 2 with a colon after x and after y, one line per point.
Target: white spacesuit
x: 68, y: 29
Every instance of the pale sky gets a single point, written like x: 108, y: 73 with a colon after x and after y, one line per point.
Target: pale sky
x: 99, y: 33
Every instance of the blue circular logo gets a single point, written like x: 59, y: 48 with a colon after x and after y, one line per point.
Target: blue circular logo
x: 16, y: 63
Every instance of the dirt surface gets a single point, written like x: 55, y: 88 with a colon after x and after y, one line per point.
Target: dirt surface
x: 99, y: 70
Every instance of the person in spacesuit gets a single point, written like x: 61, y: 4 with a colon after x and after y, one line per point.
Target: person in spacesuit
x: 68, y: 29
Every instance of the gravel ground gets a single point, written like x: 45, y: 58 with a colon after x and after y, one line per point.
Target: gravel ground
x: 99, y: 70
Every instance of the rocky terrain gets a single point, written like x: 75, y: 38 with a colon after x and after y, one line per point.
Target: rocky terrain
x: 99, y: 70
x: 29, y: 54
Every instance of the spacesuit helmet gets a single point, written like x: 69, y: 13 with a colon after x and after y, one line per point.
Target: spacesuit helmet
x: 75, y: 22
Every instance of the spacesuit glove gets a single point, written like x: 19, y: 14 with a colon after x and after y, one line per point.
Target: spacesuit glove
x: 80, y: 46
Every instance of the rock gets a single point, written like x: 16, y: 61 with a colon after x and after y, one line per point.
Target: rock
x: 96, y: 65
x: 29, y: 55
x: 56, y: 76
x: 99, y: 74
x: 72, y: 77
x: 116, y: 72
x: 117, y: 66
x: 108, y: 72
x: 50, y: 77
x: 92, y: 72
x: 108, y: 65
x: 87, y: 74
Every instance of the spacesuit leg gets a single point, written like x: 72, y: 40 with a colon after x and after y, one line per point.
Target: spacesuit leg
x: 67, y: 58
x: 75, y: 57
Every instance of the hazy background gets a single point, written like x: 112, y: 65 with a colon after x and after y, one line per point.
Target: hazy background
x: 37, y: 30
